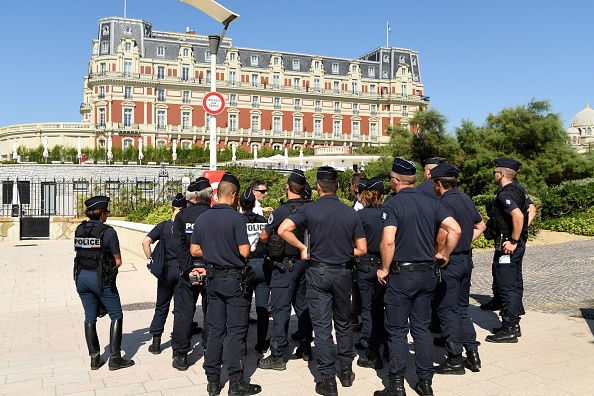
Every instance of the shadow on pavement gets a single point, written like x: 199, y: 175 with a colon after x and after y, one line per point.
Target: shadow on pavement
x: 588, y: 314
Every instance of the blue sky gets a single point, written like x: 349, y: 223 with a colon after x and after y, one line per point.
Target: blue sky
x: 476, y: 57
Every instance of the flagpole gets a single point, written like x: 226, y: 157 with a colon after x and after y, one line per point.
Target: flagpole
x: 387, y: 32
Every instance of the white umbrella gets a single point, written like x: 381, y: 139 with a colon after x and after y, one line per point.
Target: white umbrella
x: 286, y: 157
x: 15, y: 194
x: 255, y: 149
x: 45, y: 147
x: 15, y: 146
x: 362, y: 164
x: 234, y: 153
x: 174, y: 150
x: 140, y: 155
x: 79, y: 145
x: 109, y: 146
x: 301, y: 157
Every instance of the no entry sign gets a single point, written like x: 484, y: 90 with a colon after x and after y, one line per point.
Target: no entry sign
x: 213, y: 103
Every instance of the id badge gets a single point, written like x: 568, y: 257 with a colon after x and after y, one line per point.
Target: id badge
x: 505, y: 259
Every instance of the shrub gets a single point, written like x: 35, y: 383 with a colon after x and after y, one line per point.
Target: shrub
x: 579, y: 223
x: 566, y: 198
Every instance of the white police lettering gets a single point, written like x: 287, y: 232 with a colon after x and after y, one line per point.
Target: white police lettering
x: 270, y: 219
x: 87, y: 243
x: 253, y: 231
x: 189, y: 228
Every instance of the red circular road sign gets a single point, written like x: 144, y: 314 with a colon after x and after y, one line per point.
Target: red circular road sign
x: 213, y: 103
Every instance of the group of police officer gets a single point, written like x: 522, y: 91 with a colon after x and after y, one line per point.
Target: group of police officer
x: 404, y: 253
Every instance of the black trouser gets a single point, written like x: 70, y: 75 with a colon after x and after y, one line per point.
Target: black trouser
x: 510, y: 284
x: 288, y: 289
x: 408, y: 307
x: 185, y: 307
x: 329, y: 298
x: 228, y: 314
x: 165, y: 291
x: 372, y: 305
x: 452, y: 297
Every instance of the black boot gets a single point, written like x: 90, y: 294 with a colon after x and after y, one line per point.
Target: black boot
x: 423, y: 387
x: 346, y: 376
x: 452, y: 365
x: 395, y: 387
x: 327, y: 387
x: 517, y: 329
x: 507, y: 334
x: 473, y: 361
x: 116, y: 361
x: 93, y: 346
x: 155, y: 347
x: 242, y: 388
x: 493, y: 305
x: 304, y: 351
x: 372, y: 360
x: 272, y: 363
x: 180, y: 361
x: 213, y: 388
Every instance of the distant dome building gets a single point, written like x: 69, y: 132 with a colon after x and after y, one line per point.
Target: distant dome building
x: 580, y: 131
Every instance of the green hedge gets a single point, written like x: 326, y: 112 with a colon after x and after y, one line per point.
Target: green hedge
x: 568, y: 197
x: 579, y: 223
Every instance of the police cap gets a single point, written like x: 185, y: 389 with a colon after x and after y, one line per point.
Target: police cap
x: 508, y: 163
x: 327, y: 172
x: 404, y: 167
x: 247, y: 197
x: 434, y: 160
x: 445, y: 170
x: 228, y: 177
x: 362, y: 184
x: 375, y: 184
x: 202, y: 183
x: 307, y: 191
x: 192, y: 187
x: 97, y: 202
x: 179, y: 201
x: 297, y: 176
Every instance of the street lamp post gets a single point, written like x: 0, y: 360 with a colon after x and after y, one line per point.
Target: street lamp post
x: 224, y: 16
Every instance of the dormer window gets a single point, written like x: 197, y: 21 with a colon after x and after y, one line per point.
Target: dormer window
x: 254, y: 60
x: 232, y: 56
x: 186, y: 52
x: 207, y: 55
x: 335, y: 68
x: 295, y: 64
x: 104, y: 47
x: 128, y: 30
x: 371, y: 71
x: 276, y: 61
x: 161, y: 52
x: 128, y: 46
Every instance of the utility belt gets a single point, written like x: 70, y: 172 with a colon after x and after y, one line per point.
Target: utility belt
x: 245, y: 276
x: 361, y: 262
x: 397, y: 266
x: 321, y: 264
x: 198, y: 263
x: 463, y: 253
x: 288, y: 263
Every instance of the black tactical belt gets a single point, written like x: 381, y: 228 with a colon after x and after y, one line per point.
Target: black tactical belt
x: 286, y: 259
x: 198, y: 263
x: 373, y: 261
x: 464, y: 253
x: 398, y: 266
x: 227, y: 272
x: 320, y: 264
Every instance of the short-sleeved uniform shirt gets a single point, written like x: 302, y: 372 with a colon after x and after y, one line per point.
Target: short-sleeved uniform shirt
x: 109, y: 241
x: 183, y: 225
x: 333, y: 226
x: 462, y: 209
x: 417, y: 219
x: 219, y: 232
x: 371, y: 219
x: 164, y: 232
x: 506, y: 203
x: 426, y: 188
x: 280, y: 214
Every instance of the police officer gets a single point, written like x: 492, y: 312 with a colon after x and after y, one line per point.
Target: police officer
x: 167, y: 285
x: 288, y: 284
x: 426, y: 187
x: 262, y: 273
x: 355, y: 179
x: 371, y: 291
x: 334, y: 228
x: 220, y: 237
x: 453, y: 293
x: 511, y: 212
x: 198, y: 195
x: 411, y: 221
x: 96, y: 266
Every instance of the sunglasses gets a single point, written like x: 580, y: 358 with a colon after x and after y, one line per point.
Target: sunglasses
x: 395, y: 178
x: 262, y: 191
x: 495, y: 172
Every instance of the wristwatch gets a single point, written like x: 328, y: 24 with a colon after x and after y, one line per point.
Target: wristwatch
x: 513, y: 241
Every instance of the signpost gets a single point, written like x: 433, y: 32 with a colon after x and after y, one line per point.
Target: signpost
x: 213, y: 103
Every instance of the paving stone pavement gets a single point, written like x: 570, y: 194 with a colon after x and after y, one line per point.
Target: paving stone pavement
x: 43, y: 350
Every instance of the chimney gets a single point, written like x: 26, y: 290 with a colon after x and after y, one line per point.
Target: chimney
x: 187, y: 29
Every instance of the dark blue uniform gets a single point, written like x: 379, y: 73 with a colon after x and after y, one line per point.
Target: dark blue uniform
x: 453, y: 293
x: 219, y: 232
x: 371, y: 291
x: 288, y: 288
x: 412, y: 278
x: 165, y: 287
x: 87, y: 283
x: 187, y: 295
x: 426, y: 188
x: 333, y: 227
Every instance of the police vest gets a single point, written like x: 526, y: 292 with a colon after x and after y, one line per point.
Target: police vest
x: 291, y: 250
x: 254, y: 225
x: 500, y: 223
x: 89, y: 246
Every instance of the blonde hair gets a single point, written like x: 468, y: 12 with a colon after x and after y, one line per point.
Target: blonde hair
x: 174, y: 211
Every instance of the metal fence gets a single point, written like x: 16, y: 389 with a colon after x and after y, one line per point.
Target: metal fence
x: 63, y: 197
